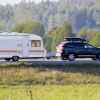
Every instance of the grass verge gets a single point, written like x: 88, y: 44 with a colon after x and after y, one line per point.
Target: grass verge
x: 17, y: 74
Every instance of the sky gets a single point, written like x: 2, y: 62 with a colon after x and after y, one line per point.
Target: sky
x: 12, y: 2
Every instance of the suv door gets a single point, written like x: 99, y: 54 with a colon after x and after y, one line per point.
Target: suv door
x: 77, y: 48
x: 91, y: 50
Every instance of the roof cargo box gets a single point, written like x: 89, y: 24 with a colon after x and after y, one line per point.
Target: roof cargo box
x: 74, y: 39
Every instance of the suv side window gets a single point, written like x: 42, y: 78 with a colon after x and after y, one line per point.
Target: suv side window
x: 88, y: 46
x: 74, y: 45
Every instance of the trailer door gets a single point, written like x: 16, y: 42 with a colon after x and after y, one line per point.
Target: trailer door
x: 25, y: 47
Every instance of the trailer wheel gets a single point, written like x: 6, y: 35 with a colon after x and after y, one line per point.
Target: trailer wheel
x: 15, y: 58
x: 7, y: 59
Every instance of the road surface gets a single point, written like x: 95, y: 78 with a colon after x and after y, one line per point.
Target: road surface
x: 52, y: 62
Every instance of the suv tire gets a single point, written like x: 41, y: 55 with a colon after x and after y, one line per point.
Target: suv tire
x: 71, y: 57
x: 15, y: 58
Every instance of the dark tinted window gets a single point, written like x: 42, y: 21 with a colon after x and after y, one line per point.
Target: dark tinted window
x: 74, y: 45
x: 88, y: 46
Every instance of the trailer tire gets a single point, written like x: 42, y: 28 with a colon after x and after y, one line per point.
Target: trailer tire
x: 15, y: 58
x: 7, y: 59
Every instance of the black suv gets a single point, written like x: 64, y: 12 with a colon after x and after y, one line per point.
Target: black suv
x: 73, y: 48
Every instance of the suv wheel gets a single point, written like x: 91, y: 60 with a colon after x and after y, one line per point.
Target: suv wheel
x: 15, y: 58
x: 71, y: 57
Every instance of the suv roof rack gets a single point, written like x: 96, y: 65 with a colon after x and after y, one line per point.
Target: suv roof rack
x: 74, y: 39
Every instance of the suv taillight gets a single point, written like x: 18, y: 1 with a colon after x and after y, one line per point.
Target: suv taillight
x: 60, y: 48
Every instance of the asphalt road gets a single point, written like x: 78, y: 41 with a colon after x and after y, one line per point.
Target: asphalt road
x: 52, y: 62
x: 63, y: 62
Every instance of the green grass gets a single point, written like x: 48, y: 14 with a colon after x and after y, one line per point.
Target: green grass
x: 51, y: 92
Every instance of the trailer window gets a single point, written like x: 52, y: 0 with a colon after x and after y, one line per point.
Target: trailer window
x: 36, y: 43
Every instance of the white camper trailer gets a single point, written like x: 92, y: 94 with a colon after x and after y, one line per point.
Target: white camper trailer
x: 21, y: 45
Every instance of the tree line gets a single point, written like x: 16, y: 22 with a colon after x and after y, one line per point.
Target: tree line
x: 53, y: 37
x: 53, y: 20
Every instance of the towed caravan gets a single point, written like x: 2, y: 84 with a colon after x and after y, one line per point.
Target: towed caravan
x: 15, y: 46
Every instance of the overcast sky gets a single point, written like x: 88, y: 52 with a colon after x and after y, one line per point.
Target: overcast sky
x: 16, y: 1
